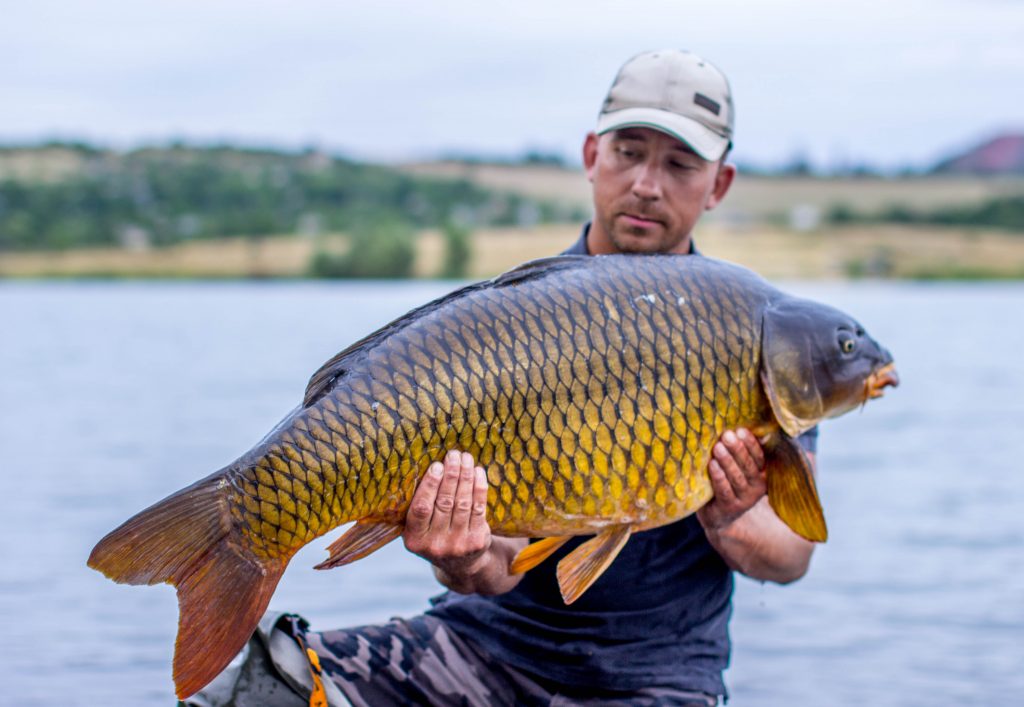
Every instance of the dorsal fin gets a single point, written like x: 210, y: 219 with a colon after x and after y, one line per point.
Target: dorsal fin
x: 324, y: 378
x: 536, y: 268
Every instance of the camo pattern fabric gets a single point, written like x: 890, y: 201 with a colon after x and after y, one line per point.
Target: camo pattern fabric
x: 418, y: 661
x: 421, y: 662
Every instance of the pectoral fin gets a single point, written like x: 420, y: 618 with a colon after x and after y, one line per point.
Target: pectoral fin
x: 581, y: 567
x: 535, y: 553
x: 359, y: 541
x: 791, y: 489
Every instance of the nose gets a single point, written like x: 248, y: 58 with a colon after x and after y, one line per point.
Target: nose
x: 646, y: 182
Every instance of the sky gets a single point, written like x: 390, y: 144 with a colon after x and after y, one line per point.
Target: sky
x: 889, y: 83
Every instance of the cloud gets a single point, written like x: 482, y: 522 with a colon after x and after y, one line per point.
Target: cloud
x: 889, y: 80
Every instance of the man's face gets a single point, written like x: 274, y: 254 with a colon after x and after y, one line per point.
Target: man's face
x: 649, y: 191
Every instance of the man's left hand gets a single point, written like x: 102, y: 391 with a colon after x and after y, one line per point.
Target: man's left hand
x: 737, y: 477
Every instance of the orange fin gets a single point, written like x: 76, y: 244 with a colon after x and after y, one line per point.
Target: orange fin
x: 791, y: 489
x: 535, y: 553
x: 223, y: 590
x: 581, y: 567
x: 359, y: 541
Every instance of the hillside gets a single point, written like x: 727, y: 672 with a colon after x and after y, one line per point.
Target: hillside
x: 67, y: 196
x: 226, y: 213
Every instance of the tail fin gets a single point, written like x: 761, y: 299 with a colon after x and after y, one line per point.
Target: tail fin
x: 223, y: 589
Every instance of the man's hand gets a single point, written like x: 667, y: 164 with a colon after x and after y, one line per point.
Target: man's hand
x: 737, y: 477
x: 739, y: 522
x: 447, y: 526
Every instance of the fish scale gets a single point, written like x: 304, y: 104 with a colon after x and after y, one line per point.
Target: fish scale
x: 564, y: 377
x: 592, y: 390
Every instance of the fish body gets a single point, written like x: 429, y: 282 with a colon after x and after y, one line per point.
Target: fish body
x: 592, y: 389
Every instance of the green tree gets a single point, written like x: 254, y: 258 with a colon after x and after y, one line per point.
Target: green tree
x: 457, y: 251
x: 384, y: 248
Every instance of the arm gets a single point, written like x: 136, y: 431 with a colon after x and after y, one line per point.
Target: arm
x: 739, y: 522
x: 447, y: 526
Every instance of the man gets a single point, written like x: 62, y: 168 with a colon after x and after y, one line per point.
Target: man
x: 654, y: 628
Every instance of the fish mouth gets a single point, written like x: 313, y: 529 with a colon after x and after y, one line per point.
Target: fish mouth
x: 879, y: 380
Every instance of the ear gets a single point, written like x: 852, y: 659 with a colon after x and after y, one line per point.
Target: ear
x: 590, y: 154
x: 787, y: 367
x: 723, y: 180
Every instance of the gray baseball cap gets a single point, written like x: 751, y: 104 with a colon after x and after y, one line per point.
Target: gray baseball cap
x: 676, y: 92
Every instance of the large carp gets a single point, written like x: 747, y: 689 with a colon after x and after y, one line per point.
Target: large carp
x: 592, y: 389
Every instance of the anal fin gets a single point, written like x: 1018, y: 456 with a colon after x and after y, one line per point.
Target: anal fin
x: 581, y: 567
x: 791, y: 489
x: 535, y: 553
x: 359, y: 541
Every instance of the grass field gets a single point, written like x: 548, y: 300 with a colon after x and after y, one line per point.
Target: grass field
x: 752, y: 199
x: 774, y: 252
x: 772, y: 225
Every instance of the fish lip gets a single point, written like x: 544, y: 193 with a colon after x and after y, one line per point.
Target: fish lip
x: 880, y: 379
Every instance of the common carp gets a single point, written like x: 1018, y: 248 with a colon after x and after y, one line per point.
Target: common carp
x: 592, y: 389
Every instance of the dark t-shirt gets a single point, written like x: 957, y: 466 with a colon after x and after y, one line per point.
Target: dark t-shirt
x: 658, y: 617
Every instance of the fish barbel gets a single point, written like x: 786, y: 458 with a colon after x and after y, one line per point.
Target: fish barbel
x: 592, y: 389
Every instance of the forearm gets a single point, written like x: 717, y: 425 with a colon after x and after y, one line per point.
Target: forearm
x: 486, y: 574
x: 760, y: 546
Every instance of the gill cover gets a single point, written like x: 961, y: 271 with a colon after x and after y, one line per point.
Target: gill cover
x: 790, y: 356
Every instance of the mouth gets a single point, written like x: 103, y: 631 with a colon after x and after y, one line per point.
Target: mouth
x: 640, y: 221
x: 878, y: 381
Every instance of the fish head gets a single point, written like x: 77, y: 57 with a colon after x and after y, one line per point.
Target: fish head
x: 818, y: 362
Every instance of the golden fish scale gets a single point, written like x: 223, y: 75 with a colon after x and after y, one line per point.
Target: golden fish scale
x: 587, y: 406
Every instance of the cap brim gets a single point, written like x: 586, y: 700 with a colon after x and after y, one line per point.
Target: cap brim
x: 702, y: 140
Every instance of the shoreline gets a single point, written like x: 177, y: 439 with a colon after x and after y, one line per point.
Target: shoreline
x: 848, y: 253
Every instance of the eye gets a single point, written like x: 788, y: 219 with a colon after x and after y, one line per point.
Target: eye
x: 847, y: 344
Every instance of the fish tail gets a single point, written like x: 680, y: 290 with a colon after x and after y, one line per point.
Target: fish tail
x: 187, y: 541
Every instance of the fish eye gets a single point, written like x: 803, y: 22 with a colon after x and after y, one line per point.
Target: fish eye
x: 847, y: 344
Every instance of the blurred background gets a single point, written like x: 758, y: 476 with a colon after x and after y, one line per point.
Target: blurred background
x: 202, y: 202
x: 230, y: 139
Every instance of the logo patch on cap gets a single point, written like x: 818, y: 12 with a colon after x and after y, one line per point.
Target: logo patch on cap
x: 705, y: 102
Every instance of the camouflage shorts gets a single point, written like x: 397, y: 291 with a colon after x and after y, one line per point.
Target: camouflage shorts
x: 418, y: 661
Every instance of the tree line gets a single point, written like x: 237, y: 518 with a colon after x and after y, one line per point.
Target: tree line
x: 1004, y: 212
x: 165, y: 196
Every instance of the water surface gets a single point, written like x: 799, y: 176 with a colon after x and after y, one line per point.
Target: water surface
x: 116, y: 394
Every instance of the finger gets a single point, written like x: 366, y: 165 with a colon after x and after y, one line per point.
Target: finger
x: 478, y: 516
x: 724, y: 493
x: 445, y: 501
x: 727, y: 461
x: 739, y: 454
x: 421, y: 508
x: 753, y: 447
x: 464, y: 494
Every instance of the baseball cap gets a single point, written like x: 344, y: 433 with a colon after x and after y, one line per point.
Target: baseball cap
x: 676, y: 92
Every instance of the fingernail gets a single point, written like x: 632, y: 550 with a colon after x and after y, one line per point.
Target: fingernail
x: 436, y: 470
x: 481, y: 475
x: 453, y: 456
x: 467, y: 459
x: 728, y: 436
x: 741, y: 433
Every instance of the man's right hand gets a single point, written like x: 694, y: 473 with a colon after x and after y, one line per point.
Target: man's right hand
x: 447, y: 526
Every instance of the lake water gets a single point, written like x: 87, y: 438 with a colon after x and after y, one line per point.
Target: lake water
x: 114, y: 395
